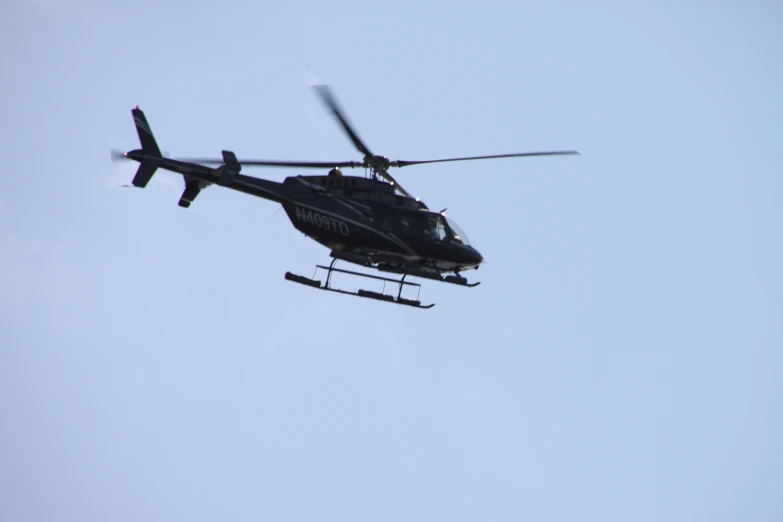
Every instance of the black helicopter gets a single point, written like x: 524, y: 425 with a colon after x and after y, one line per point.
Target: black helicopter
x: 362, y: 220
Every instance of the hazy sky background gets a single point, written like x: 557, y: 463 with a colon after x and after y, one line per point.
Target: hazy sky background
x: 620, y: 361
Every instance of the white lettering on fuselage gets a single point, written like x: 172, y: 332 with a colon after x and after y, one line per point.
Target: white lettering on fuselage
x: 321, y: 221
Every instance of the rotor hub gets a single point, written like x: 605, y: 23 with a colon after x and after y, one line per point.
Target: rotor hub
x: 377, y: 162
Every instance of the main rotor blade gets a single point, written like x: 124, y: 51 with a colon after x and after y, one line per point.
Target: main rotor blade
x: 264, y: 163
x: 385, y: 174
x: 328, y: 98
x: 402, y: 163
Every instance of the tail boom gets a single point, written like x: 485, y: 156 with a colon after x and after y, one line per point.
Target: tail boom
x: 197, y: 177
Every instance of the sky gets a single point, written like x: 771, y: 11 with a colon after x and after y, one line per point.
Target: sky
x: 621, y: 359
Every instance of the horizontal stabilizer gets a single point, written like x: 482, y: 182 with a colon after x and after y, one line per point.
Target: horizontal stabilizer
x: 191, y: 191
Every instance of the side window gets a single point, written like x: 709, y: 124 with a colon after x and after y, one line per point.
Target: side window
x: 429, y: 229
x: 415, y: 227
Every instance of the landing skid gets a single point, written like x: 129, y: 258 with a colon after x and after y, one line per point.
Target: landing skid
x: 360, y: 293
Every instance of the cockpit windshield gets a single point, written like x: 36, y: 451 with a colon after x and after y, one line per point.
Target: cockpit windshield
x: 457, y: 232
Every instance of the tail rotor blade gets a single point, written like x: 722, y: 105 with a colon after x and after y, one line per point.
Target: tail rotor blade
x: 118, y: 155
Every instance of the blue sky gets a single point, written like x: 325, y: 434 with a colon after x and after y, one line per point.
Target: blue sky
x: 620, y: 361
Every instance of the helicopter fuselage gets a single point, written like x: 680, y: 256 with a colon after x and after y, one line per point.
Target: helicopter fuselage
x: 362, y: 216
x: 361, y: 220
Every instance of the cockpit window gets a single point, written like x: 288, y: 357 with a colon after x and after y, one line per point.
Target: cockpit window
x: 457, y: 232
x: 438, y: 230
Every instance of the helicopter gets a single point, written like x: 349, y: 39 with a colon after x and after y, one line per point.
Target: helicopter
x: 370, y: 220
